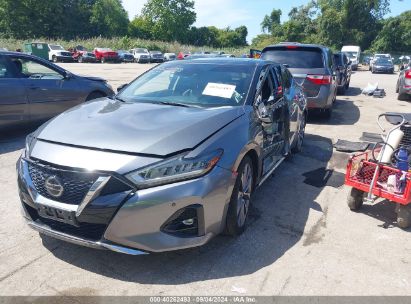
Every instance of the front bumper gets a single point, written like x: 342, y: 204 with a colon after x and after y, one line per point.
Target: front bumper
x: 132, y: 221
x: 65, y: 58
x: 384, y: 70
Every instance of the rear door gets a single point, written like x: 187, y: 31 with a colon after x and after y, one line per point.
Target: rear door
x: 49, y: 92
x: 13, y: 97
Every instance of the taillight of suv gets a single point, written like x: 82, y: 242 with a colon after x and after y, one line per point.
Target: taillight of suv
x: 319, y: 79
x: 408, y: 74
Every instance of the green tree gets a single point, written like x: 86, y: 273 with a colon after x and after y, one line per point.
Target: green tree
x: 271, y: 21
x: 140, y: 27
x: 109, y: 18
x: 171, y: 19
x: 396, y: 33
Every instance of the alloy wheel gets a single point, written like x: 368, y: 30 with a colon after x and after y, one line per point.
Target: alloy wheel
x: 244, y: 193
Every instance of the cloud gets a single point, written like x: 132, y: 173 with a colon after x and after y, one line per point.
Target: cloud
x: 133, y: 7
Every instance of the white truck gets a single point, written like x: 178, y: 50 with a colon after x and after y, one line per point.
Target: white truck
x: 58, y: 53
x: 141, y: 55
x: 353, y: 53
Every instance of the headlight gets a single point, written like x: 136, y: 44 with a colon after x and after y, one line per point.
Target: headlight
x: 174, y: 170
x: 29, y: 141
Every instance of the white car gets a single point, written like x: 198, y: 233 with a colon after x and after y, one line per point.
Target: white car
x: 141, y: 55
x: 170, y: 56
x: 58, y: 53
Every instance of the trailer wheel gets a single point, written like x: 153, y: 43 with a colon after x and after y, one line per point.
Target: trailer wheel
x: 404, y: 216
x: 355, y: 199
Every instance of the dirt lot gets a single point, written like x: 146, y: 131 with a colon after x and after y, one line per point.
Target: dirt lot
x: 301, y: 240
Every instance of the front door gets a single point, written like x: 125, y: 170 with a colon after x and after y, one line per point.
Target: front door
x: 270, y: 108
x: 49, y: 92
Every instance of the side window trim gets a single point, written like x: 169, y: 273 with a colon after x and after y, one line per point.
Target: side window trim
x: 38, y: 62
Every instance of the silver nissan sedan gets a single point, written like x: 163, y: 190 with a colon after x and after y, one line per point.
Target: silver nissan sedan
x: 169, y: 162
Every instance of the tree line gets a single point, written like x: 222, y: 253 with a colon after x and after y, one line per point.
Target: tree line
x: 340, y: 22
x: 166, y: 20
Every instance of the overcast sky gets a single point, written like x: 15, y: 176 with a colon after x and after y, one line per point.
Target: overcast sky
x: 233, y: 13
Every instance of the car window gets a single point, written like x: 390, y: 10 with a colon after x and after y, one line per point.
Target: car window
x: 265, y: 86
x: 200, y: 84
x: 5, y: 69
x: 302, y: 58
x: 28, y: 68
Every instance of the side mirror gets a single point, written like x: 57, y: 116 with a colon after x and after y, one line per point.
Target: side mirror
x: 67, y: 75
x: 350, y: 62
x: 121, y: 87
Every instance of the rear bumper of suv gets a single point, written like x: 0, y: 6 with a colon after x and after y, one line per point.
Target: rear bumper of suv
x: 321, y: 101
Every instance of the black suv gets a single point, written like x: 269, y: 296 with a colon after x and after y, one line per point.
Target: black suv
x: 312, y: 66
x: 343, y: 69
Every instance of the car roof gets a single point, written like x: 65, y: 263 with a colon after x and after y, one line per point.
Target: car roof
x: 305, y: 45
x: 230, y: 61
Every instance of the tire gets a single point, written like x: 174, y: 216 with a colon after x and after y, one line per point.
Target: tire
x: 240, y: 199
x: 95, y: 95
x: 326, y: 113
x: 397, y: 88
x: 300, y: 136
x: 401, y: 96
x: 404, y: 216
x: 54, y: 59
x: 80, y: 59
x: 103, y: 60
x: 355, y: 199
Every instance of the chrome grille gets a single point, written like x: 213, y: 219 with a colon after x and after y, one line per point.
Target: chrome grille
x: 75, y: 184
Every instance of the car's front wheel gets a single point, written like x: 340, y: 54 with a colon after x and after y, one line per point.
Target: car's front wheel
x: 54, y: 58
x: 300, y: 136
x: 240, y: 198
x: 103, y: 60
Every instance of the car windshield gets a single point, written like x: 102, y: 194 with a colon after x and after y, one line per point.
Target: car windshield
x: 201, y: 84
x: 155, y: 52
x: 338, y: 59
x: 383, y: 61
x: 301, y: 58
x: 123, y: 52
x: 56, y: 47
x: 104, y: 49
x: 141, y: 51
x: 81, y: 48
x: 351, y: 54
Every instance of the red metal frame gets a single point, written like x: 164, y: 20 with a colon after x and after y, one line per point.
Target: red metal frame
x: 359, y: 175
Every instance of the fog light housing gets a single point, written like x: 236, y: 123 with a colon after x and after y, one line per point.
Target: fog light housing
x: 186, y: 222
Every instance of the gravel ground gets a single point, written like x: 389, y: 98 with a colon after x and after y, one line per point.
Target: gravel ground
x: 301, y: 240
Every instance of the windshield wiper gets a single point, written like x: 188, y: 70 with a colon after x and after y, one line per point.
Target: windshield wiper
x: 115, y: 97
x: 177, y: 104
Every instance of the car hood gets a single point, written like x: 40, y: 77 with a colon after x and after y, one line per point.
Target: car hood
x: 136, y: 127
x: 93, y: 78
